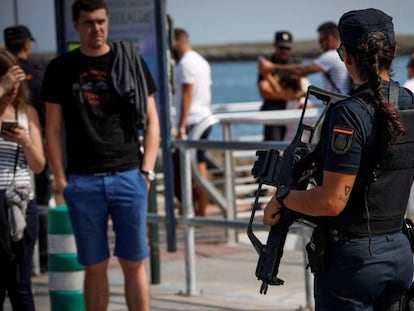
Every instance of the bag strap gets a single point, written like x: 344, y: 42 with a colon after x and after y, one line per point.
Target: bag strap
x: 393, y: 97
x: 15, y: 161
x: 17, y: 154
x: 394, y: 93
x: 333, y: 84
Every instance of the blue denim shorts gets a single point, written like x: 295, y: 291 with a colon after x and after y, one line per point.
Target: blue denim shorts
x: 91, y: 200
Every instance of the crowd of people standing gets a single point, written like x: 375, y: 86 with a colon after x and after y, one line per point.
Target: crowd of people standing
x: 115, y: 174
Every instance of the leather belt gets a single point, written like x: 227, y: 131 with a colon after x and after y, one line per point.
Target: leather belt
x: 336, y: 236
x: 109, y: 173
x: 104, y: 174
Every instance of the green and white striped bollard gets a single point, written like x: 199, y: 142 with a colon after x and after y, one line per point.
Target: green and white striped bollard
x: 65, y: 273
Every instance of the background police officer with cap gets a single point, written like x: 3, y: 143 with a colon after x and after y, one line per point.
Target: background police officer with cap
x: 268, y: 84
x: 18, y: 40
x: 366, y: 161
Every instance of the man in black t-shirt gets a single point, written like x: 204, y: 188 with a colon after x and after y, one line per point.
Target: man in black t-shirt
x: 270, y: 89
x: 100, y: 93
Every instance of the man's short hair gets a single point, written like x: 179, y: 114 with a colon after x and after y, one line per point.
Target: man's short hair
x: 180, y: 34
x: 329, y: 28
x: 88, y: 6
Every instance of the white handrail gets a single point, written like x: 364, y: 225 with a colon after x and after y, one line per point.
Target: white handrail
x: 270, y: 117
x: 273, y: 117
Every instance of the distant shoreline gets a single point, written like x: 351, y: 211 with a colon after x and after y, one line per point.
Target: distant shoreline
x: 301, y: 49
x: 250, y: 51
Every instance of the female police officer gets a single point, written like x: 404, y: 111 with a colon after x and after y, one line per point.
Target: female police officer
x: 366, y: 160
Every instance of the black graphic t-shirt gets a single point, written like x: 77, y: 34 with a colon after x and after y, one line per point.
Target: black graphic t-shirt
x: 99, y: 137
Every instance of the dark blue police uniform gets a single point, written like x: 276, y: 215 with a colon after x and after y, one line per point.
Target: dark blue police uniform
x: 368, y: 260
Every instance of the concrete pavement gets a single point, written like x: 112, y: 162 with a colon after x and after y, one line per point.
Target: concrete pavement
x: 225, y: 279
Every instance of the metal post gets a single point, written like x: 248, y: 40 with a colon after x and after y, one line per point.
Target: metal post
x: 187, y: 202
x: 154, y: 237
x: 60, y: 27
x: 229, y: 185
x: 308, y: 275
x: 16, y: 12
x: 164, y: 107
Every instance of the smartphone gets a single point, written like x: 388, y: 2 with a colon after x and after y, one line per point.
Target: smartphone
x: 8, y: 124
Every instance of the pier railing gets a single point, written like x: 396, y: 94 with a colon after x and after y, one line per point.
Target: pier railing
x: 226, y: 199
x: 228, y: 145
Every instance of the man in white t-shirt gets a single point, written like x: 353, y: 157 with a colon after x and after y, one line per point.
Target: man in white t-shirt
x: 192, y: 101
x: 335, y: 76
x: 409, y: 84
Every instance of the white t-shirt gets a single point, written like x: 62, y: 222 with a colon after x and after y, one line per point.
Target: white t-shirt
x: 194, y: 69
x: 409, y: 84
x: 8, y: 151
x: 331, y: 64
x: 292, y: 128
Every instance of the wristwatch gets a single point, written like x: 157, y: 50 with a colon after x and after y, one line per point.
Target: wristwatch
x: 150, y: 174
x: 281, y: 193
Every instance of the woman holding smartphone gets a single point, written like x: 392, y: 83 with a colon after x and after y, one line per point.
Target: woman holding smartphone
x: 21, y: 154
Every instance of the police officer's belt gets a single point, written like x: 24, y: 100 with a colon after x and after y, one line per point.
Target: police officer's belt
x: 337, y: 236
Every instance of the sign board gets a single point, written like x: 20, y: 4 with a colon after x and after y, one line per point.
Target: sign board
x: 129, y: 20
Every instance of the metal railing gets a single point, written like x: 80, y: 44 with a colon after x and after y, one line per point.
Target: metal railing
x: 226, y: 201
x: 189, y: 221
x: 226, y: 120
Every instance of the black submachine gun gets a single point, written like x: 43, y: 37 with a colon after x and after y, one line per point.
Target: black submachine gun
x: 292, y: 170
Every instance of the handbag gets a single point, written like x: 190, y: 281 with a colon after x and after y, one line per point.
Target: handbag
x: 16, y: 199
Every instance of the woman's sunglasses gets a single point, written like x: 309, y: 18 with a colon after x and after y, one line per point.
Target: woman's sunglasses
x: 340, y: 51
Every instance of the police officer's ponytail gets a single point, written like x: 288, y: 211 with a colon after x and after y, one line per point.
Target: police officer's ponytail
x: 374, y: 54
x: 368, y: 35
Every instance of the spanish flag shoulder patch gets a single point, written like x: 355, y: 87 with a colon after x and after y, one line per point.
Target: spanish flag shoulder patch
x: 341, y: 140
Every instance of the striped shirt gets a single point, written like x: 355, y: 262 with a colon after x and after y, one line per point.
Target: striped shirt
x: 331, y: 64
x: 23, y: 175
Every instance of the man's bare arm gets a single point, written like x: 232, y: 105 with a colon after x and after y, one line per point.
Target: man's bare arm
x: 54, y: 143
x: 151, y: 136
x: 298, y: 70
x: 269, y: 88
x: 187, y: 93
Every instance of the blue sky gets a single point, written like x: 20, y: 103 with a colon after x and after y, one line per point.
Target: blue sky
x: 224, y: 21
x: 38, y: 15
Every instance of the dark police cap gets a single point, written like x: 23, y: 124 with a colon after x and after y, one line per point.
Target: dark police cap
x: 283, y: 39
x: 355, y: 26
x: 17, y: 33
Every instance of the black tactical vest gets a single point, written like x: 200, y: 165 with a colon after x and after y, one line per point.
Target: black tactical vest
x: 380, y: 194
